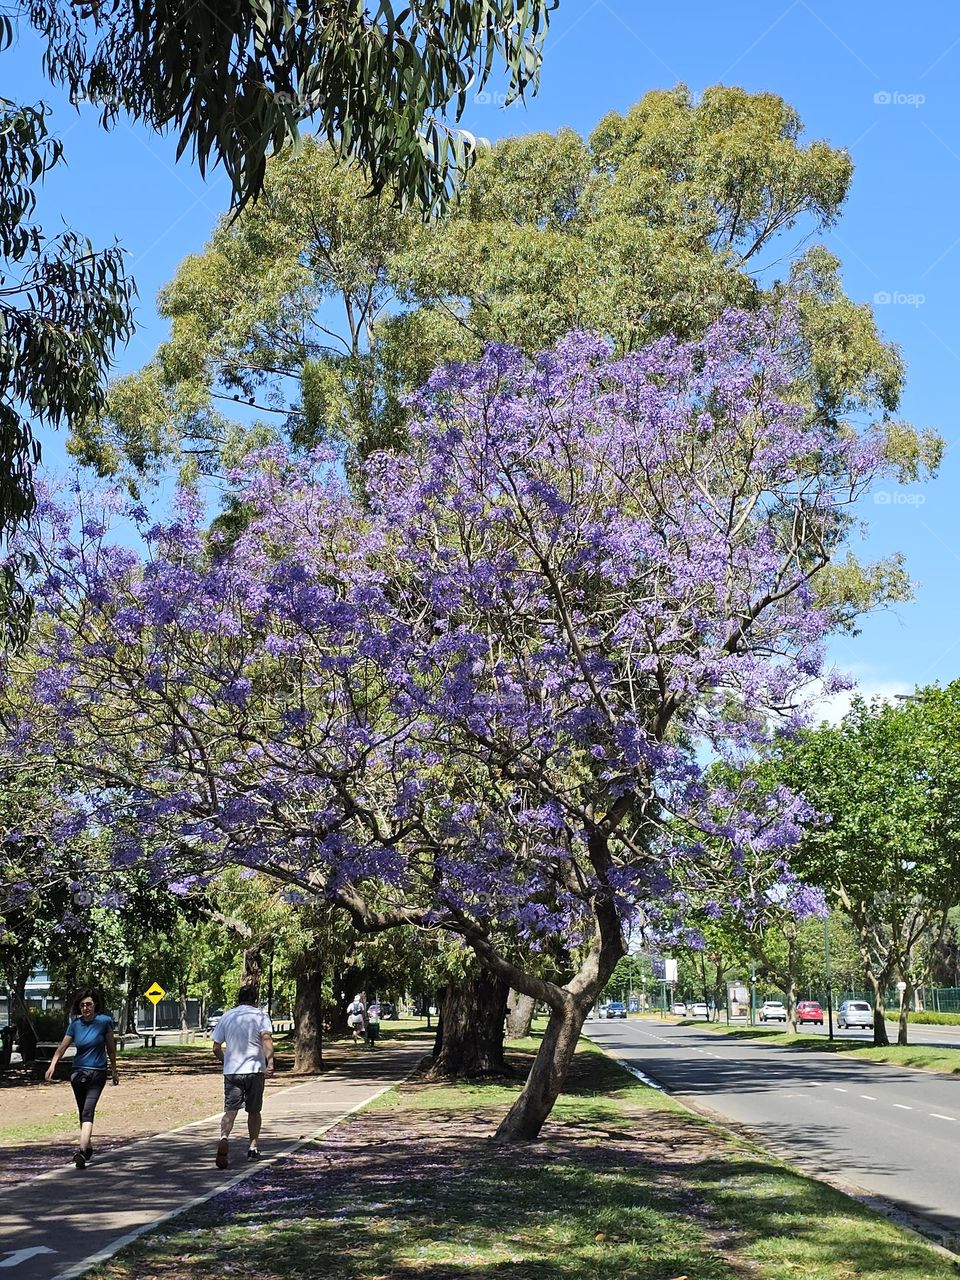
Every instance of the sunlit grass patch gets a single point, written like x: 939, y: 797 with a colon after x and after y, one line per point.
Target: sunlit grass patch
x: 11, y: 1134
x: 927, y: 1057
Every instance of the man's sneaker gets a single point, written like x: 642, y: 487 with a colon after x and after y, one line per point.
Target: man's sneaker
x: 88, y: 1154
x: 223, y: 1154
x: 79, y: 1159
x: 253, y: 1154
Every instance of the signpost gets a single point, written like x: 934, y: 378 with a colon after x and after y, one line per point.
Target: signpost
x: 155, y: 994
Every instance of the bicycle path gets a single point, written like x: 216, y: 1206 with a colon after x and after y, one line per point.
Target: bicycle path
x: 59, y: 1224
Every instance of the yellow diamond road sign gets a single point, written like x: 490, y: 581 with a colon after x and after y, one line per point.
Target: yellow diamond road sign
x: 155, y: 993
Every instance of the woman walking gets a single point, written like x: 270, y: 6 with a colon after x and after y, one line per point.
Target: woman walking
x: 92, y: 1032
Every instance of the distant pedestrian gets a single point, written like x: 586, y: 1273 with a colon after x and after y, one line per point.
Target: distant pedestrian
x: 92, y: 1033
x: 357, y: 1018
x: 243, y: 1042
x: 373, y: 1024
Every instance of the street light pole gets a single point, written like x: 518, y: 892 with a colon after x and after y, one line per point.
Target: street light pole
x: 829, y: 976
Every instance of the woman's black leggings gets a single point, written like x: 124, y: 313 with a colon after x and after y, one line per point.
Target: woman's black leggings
x: 87, y: 1088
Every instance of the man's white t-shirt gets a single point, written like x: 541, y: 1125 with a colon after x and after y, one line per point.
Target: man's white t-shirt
x: 239, y: 1031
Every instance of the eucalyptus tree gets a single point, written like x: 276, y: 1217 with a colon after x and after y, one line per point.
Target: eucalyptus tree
x: 64, y: 308
x: 312, y: 315
x: 235, y: 82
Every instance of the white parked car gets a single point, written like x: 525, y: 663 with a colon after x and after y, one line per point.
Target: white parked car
x: 773, y: 1011
x: 698, y: 1010
x: 855, y: 1013
x: 679, y: 1008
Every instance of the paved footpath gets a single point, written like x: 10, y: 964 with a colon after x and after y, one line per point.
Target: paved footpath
x: 57, y: 1225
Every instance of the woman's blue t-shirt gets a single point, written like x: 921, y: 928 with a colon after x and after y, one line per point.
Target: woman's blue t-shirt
x: 91, y: 1041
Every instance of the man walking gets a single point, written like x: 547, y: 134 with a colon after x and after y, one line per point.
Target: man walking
x: 357, y: 1018
x: 243, y: 1042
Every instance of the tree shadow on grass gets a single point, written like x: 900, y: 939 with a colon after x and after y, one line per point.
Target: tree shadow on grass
x: 423, y: 1191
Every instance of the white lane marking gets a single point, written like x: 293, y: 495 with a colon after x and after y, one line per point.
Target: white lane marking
x: 901, y: 1106
x: 937, y: 1116
x: 868, y: 1097
x: 640, y: 1076
x: 837, y: 1089
x: 21, y: 1255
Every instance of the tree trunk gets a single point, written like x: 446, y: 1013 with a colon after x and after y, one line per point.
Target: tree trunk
x: 519, y: 1015
x: 128, y: 1016
x: 878, y: 986
x: 308, y: 1015
x: 792, y: 985
x: 905, y: 1004
x: 253, y: 966
x: 183, y: 994
x: 472, y: 1017
x: 526, y: 1117
x: 26, y: 1036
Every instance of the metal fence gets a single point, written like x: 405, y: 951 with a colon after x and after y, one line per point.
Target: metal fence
x: 941, y: 999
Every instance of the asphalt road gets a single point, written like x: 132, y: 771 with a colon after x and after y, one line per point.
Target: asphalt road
x: 888, y: 1131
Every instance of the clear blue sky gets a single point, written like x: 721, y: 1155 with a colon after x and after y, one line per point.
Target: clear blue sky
x: 879, y: 79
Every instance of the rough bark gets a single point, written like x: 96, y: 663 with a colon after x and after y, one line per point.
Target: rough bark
x: 253, y: 965
x: 569, y: 1007
x: 26, y: 1036
x: 878, y: 988
x: 791, y: 984
x: 519, y: 1015
x: 308, y: 1015
x: 526, y: 1117
x: 131, y: 1000
x: 905, y: 1007
x: 472, y: 1019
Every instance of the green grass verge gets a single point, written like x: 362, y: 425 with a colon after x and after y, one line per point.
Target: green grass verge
x: 927, y: 1057
x: 195, y: 1048
x: 13, y: 1134
x: 624, y: 1185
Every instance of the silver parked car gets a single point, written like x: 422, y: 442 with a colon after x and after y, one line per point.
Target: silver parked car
x: 855, y: 1013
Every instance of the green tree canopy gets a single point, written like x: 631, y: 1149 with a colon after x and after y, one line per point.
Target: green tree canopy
x: 315, y: 312
x: 234, y: 82
x: 886, y: 843
x: 64, y: 307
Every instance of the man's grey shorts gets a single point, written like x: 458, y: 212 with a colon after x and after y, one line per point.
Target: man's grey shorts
x: 244, y: 1091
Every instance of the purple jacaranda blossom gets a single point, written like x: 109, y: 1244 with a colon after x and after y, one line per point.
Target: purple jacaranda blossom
x: 485, y: 683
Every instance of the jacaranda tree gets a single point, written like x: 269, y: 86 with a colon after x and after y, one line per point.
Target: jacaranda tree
x: 472, y: 698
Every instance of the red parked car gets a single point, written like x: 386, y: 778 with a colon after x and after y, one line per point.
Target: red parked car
x: 809, y: 1011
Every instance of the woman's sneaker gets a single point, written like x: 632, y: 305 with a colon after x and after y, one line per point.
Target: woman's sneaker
x: 79, y: 1159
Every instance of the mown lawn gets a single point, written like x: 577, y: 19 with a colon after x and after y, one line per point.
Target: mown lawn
x: 623, y: 1185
